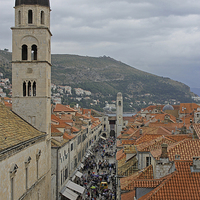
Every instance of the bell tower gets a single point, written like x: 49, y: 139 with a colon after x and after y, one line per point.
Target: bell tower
x: 119, y: 113
x: 31, y: 63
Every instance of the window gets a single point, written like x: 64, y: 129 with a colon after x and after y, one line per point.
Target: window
x: 30, y: 17
x: 75, y: 162
x: 79, y: 139
x: 34, y: 52
x: 34, y: 88
x: 24, y: 52
x: 26, y: 178
x: 37, y: 166
x: 61, y: 177
x: 37, y: 162
x: 119, y: 103
x: 24, y: 88
x: 42, y: 17
x: 79, y: 156
x: 72, y: 147
x: 148, y: 161
x: 66, y: 173
x: 29, y: 88
x: 19, y: 17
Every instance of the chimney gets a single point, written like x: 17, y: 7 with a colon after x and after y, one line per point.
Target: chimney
x: 177, y: 157
x: 196, y: 163
x: 164, y: 151
x: 140, y: 131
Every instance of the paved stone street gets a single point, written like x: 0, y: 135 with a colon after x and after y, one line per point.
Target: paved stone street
x: 100, y: 167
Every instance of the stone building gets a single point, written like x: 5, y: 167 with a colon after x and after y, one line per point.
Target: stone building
x: 25, y: 136
x: 119, y: 105
x: 24, y: 159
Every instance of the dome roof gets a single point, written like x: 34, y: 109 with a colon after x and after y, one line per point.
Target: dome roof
x: 32, y: 2
x: 168, y: 107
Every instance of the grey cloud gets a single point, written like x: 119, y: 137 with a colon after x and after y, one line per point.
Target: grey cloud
x: 161, y: 37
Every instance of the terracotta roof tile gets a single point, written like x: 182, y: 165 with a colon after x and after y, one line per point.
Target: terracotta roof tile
x: 128, y: 195
x: 181, y: 184
x: 197, y: 129
x: 68, y: 136
x: 55, y: 143
x: 63, y: 108
x: 120, y: 154
x: 14, y: 130
x: 147, y: 138
x: 154, y: 144
x: 187, y: 149
x: 190, y: 107
x: 145, y: 175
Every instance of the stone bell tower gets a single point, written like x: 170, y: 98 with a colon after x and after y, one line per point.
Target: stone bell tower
x: 119, y: 113
x: 31, y: 63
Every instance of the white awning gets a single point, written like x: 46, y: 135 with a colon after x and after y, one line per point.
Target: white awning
x: 70, y: 194
x: 79, y: 174
x: 103, y: 138
x: 82, y: 165
x: 73, y: 186
x: 73, y: 178
x: 90, y: 152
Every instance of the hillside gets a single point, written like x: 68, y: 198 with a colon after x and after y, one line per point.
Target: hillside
x: 104, y: 77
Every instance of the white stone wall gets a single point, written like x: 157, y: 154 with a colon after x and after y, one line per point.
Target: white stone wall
x: 36, y: 15
x: 119, y: 105
x: 41, y: 185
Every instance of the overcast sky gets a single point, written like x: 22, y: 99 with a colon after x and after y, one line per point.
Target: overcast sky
x: 157, y: 36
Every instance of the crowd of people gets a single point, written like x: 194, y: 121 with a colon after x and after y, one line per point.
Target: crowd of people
x: 99, y: 171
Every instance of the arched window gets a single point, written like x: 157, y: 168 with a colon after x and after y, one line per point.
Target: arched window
x: 19, y: 17
x: 29, y: 88
x: 34, y: 88
x: 30, y: 16
x: 119, y: 103
x: 42, y: 17
x: 24, y: 52
x: 24, y: 88
x: 34, y: 52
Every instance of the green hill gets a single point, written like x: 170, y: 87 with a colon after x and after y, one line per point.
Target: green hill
x: 104, y: 77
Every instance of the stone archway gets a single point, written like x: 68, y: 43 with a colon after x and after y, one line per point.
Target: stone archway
x: 112, y: 133
x: 104, y: 135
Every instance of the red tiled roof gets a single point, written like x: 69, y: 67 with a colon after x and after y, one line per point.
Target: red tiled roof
x: 128, y: 195
x: 130, y: 182
x: 63, y: 108
x: 179, y: 137
x: 74, y: 129
x: 197, y: 129
x: 181, y: 184
x: 154, y: 144
x: 8, y: 105
x: 187, y: 149
x: 68, y: 136
x: 162, y: 116
x: 54, y: 129
x: 190, y: 107
x: 146, y: 138
x: 120, y: 155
